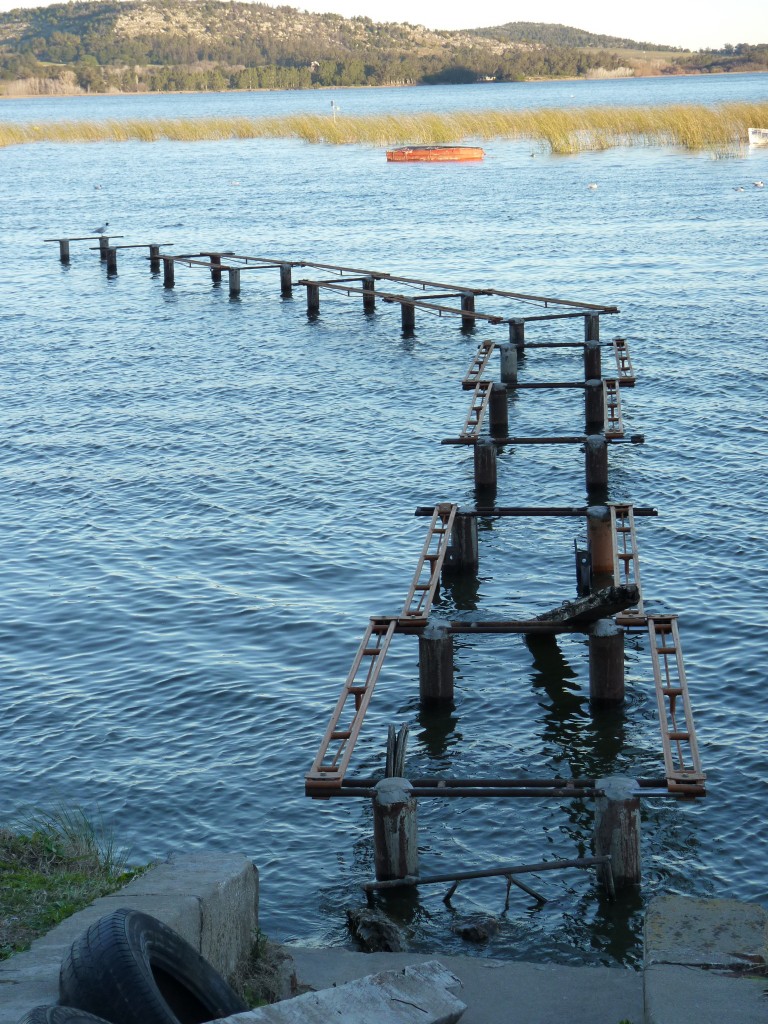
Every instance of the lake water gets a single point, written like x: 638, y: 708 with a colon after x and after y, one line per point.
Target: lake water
x: 205, y: 499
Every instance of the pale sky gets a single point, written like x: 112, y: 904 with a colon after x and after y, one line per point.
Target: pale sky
x: 684, y: 23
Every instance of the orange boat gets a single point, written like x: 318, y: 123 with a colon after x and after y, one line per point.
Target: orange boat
x: 429, y: 154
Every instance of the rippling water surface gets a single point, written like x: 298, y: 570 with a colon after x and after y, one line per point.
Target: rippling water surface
x: 205, y: 499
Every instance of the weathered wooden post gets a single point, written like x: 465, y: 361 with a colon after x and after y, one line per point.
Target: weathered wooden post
x: 111, y: 261
x: 169, y: 271
x: 395, y: 830
x: 593, y: 362
x: 286, y: 284
x: 600, y: 542
x: 234, y: 281
x: 517, y: 336
x: 468, y: 306
x: 498, y: 411
x: 606, y: 664
x: 64, y: 250
x: 463, y: 551
x: 369, y: 294
x: 313, y: 299
x: 103, y: 246
x: 594, y: 405
x: 592, y: 327
x: 485, y: 464
x: 215, y: 258
x: 154, y: 258
x: 408, y: 317
x: 596, y: 465
x: 617, y: 830
x: 508, y: 360
x: 435, y: 666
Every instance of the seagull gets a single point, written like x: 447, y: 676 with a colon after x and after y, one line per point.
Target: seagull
x: 738, y: 188
x: 102, y: 230
x: 592, y: 185
x: 758, y: 184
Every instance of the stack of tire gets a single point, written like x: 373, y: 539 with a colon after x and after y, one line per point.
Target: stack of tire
x: 129, y: 968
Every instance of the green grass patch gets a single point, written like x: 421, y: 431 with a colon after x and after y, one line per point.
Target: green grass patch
x: 52, y: 865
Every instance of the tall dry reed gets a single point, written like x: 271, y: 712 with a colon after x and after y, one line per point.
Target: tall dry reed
x: 720, y: 129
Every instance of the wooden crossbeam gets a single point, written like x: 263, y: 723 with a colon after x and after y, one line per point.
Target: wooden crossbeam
x: 623, y: 362
x: 478, y: 406
x: 626, y: 562
x: 478, y: 365
x: 614, y: 423
x: 426, y: 578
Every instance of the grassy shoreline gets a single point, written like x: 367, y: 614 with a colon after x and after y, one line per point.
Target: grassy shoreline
x: 721, y: 129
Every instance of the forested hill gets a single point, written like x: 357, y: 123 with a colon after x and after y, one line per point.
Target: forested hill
x: 543, y: 34
x: 145, y: 45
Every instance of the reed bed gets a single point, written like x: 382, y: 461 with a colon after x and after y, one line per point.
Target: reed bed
x: 719, y: 129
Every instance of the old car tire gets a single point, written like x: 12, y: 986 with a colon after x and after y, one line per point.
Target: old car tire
x: 60, y: 1015
x: 132, y: 969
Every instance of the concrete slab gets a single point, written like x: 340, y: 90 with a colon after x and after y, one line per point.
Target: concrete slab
x: 707, y: 932
x: 690, y: 995
x: 496, y: 991
x: 421, y: 994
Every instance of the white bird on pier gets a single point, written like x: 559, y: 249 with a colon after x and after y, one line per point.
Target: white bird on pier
x: 102, y: 230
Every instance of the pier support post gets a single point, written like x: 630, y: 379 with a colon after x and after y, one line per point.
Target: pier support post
x: 485, y: 464
x: 234, y: 281
x: 592, y: 327
x: 369, y: 294
x: 517, y: 336
x: 215, y: 258
x: 111, y: 261
x: 508, y: 360
x: 498, y: 411
x: 468, y: 306
x: 596, y: 465
x: 463, y: 551
x: 286, y: 284
x: 408, y: 317
x: 594, y: 405
x: 435, y: 667
x: 154, y: 258
x: 103, y: 246
x: 600, y: 541
x: 606, y: 664
x: 313, y: 299
x: 64, y: 250
x: 617, y: 830
x: 395, y: 831
x: 593, y: 362
x: 169, y: 272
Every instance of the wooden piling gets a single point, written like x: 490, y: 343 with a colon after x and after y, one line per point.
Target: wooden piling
x: 508, y: 360
x: 395, y: 830
x: 600, y: 542
x: 468, y: 306
x: 369, y: 294
x: 286, y: 283
x: 435, y: 667
x: 169, y: 271
x: 592, y: 327
x: 606, y: 664
x: 103, y: 246
x: 64, y: 250
x: 408, y: 317
x: 617, y: 830
x: 111, y: 258
x: 498, y: 411
x: 313, y: 299
x: 234, y: 281
x: 215, y: 258
x: 463, y: 552
x: 154, y: 258
x: 485, y: 464
x: 593, y: 363
x: 594, y: 405
x: 596, y: 465
x: 517, y: 336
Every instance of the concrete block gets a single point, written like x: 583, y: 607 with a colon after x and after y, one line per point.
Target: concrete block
x: 423, y: 994
x: 704, y: 932
x: 691, y: 995
x: 227, y: 887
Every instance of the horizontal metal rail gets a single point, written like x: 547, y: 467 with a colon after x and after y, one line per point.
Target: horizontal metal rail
x: 532, y: 510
